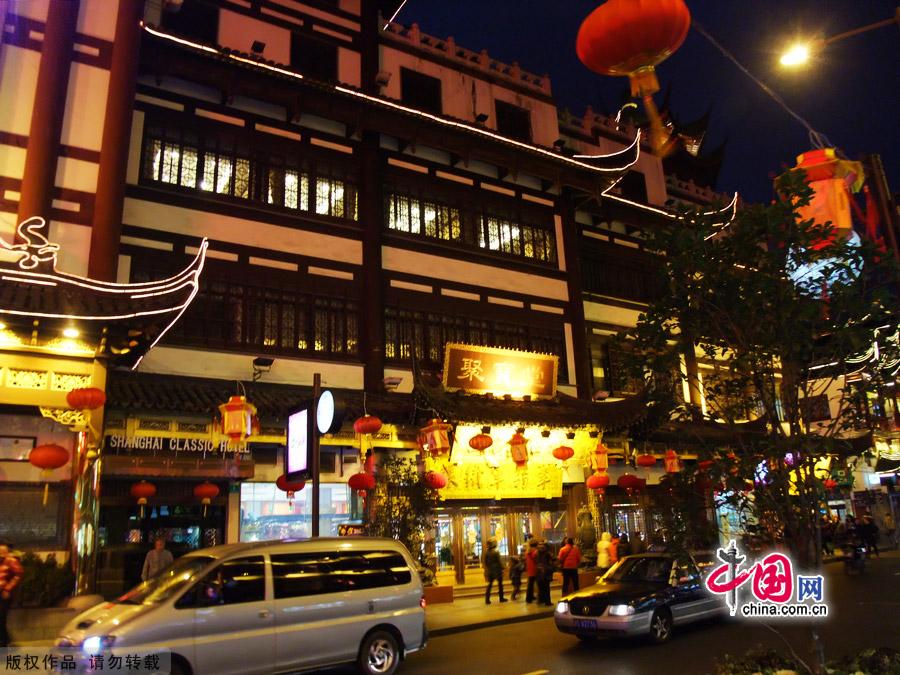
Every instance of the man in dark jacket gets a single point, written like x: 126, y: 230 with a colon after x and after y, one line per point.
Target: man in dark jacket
x: 10, y: 576
x: 493, y: 571
x: 545, y: 569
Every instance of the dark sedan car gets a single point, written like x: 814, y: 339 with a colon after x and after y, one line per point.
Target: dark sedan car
x: 641, y: 595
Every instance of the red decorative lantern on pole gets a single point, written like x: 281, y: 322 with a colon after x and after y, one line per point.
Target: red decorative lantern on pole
x: 48, y: 457
x: 290, y: 487
x: 142, y: 491
x: 518, y: 448
x: 367, y: 424
x: 435, y: 480
x: 671, y: 462
x: 630, y: 38
x: 237, y: 418
x: 86, y: 398
x: 206, y: 492
x: 437, y: 436
x: 481, y: 442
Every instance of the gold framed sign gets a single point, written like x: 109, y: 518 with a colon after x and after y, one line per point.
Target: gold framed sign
x: 481, y: 370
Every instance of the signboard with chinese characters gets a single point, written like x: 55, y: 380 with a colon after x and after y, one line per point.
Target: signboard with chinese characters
x: 478, y: 480
x: 482, y: 370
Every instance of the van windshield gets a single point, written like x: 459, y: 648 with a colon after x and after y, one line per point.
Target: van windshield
x: 167, y: 583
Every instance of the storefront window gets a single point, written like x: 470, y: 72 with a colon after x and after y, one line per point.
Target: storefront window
x: 267, y: 514
x: 553, y: 527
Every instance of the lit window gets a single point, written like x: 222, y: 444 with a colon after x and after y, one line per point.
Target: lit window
x: 330, y: 197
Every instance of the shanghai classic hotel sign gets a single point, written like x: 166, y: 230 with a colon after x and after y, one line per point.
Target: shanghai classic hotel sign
x: 483, y: 370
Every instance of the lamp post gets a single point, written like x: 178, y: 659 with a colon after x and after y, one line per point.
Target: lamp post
x: 798, y: 54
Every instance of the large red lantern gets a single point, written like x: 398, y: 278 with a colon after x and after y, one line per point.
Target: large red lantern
x: 289, y: 486
x: 86, y: 398
x: 437, y: 436
x: 206, y: 492
x: 142, y: 491
x: 361, y: 481
x: 237, y: 418
x: 518, y: 448
x: 830, y: 484
x: 48, y: 457
x: 671, y: 462
x: 563, y: 453
x: 631, y: 483
x: 597, y: 481
x: 646, y: 460
x: 435, y: 480
x: 481, y: 442
x: 367, y: 424
x: 630, y: 38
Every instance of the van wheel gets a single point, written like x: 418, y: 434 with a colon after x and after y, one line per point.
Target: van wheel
x: 179, y: 667
x: 379, y: 654
x: 660, y: 626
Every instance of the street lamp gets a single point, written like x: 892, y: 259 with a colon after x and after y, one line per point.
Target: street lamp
x: 799, y: 53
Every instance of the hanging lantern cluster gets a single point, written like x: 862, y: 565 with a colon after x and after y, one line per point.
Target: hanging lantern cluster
x: 206, y: 492
x: 481, y: 442
x: 48, y: 457
x: 290, y: 487
x: 630, y: 38
x: 518, y: 449
x: 142, y: 491
x: 437, y: 436
x: 86, y: 398
x: 237, y: 418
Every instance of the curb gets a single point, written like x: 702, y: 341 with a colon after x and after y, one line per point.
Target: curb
x: 452, y: 630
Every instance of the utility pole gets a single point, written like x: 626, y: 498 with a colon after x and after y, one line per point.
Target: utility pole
x: 317, y: 387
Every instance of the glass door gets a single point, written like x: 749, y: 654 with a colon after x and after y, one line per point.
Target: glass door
x: 472, y: 541
x: 497, y: 529
x: 444, y: 542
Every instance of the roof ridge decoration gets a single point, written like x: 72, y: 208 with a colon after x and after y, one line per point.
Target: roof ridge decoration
x: 621, y: 160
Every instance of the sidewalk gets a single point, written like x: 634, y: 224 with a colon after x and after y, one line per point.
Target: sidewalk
x: 464, y: 614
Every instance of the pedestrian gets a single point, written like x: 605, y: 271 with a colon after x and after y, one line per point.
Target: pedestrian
x: 531, y: 570
x: 890, y: 528
x: 868, y: 532
x: 614, y: 550
x: 158, y: 559
x: 636, y: 543
x: 569, y: 559
x: 10, y: 576
x: 493, y: 571
x: 545, y: 569
x: 603, y: 556
x: 516, y: 568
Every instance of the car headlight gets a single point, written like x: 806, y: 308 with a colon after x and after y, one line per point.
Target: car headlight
x: 621, y: 610
x: 562, y: 607
x: 97, y: 644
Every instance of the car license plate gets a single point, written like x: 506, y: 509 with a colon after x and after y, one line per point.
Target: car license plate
x: 586, y: 624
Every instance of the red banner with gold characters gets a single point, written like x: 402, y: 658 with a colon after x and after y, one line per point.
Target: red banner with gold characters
x: 483, y: 370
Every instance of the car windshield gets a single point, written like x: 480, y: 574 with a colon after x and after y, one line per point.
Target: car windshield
x: 167, y: 583
x: 641, y: 569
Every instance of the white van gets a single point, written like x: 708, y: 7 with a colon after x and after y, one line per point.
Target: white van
x: 268, y: 607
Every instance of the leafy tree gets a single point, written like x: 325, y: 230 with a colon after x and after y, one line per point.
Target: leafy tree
x: 776, y: 306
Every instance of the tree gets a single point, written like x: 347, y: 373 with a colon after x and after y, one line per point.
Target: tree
x: 777, y: 308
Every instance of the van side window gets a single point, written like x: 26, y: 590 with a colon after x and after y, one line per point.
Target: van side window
x: 300, y: 574
x: 233, y: 582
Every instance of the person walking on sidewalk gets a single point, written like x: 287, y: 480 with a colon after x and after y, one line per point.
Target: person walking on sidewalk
x: 545, y: 569
x: 531, y: 570
x: 516, y: 567
x: 569, y: 559
x: 10, y: 576
x: 158, y: 559
x: 493, y: 571
x: 890, y: 528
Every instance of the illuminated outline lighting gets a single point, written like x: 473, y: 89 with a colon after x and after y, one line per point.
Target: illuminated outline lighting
x: 394, y: 16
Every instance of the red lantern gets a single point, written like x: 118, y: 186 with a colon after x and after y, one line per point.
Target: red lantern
x: 361, y: 481
x: 367, y: 424
x: 87, y: 398
x: 563, y: 453
x: 48, y: 457
x: 671, y: 462
x: 598, y: 480
x: 437, y: 437
x: 482, y: 441
x: 206, y: 492
x: 292, y: 486
x: 237, y: 418
x: 435, y: 480
x: 601, y: 457
x: 830, y: 484
x: 600, y: 492
x: 705, y: 465
x: 645, y: 460
x: 631, y: 483
x: 142, y: 491
x: 518, y: 448
x: 630, y: 38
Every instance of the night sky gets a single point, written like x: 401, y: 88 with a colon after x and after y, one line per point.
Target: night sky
x: 850, y: 93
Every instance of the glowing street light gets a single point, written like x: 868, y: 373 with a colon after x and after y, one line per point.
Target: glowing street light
x: 799, y: 53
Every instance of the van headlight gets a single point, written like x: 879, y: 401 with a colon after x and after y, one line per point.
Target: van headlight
x: 97, y: 644
x: 621, y: 610
x: 562, y: 607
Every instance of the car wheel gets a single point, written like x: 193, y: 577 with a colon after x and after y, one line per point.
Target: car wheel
x: 379, y: 654
x: 660, y: 626
x: 179, y: 667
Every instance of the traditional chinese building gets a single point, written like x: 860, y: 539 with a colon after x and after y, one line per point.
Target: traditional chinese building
x: 369, y: 194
